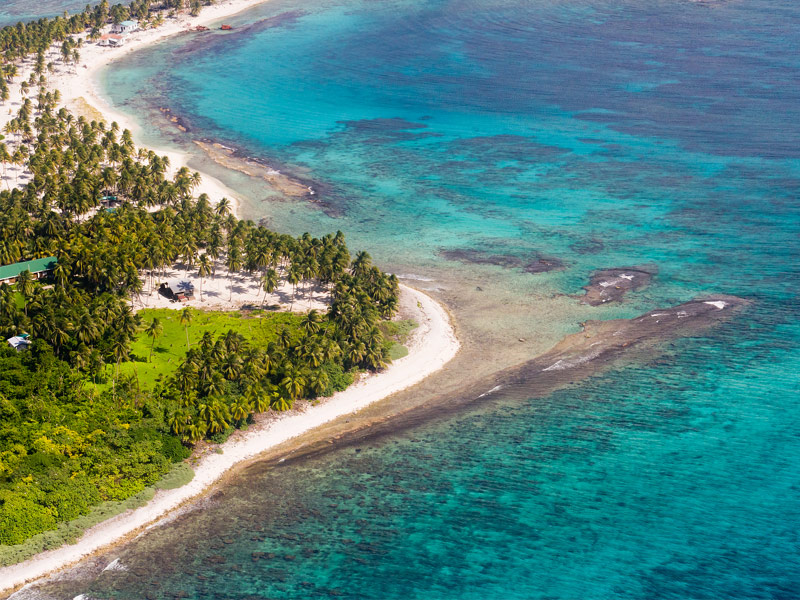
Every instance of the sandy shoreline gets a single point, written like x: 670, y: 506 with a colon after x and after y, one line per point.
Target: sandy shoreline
x: 432, y: 345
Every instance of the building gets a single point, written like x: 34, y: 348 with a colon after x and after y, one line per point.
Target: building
x: 125, y: 27
x: 19, y: 342
x: 178, y: 290
x: 39, y: 268
x: 112, y: 40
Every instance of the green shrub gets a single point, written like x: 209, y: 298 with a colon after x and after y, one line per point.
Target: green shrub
x: 179, y: 475
x: 173, y: 449
x: 397, y: 351
x: 20, y: 517
x: 222, y: 436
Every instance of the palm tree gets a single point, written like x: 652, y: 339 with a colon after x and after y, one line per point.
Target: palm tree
x: 319, y: 381
x: 257, y: 398
x: 234, y: 263
x: 311, y: 321
x: 294, y: 383
x: 294, y: 279
x: 154, y: 331
x: 86, y: 329
x: 269, y: 282
x: 361, y: 264
x: 224, y: 208
x: 284, y: 337
x: 188, y: 251
x: 203, y: 270
x: 279, y: 402
x: 196, y: 432
x: 186, y: 318
x: 119, y: 348
x: 179, y: 421
x: 241, y: 409
x: 25, y: 286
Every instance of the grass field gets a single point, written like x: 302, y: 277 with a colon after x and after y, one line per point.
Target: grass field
x: 259, y: 327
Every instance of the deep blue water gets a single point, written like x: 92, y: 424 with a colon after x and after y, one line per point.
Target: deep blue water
x: 600, y: 133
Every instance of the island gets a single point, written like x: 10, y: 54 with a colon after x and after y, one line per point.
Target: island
x: 151, y: 339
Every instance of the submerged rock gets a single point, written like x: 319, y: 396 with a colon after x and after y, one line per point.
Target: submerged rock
x: 539, y: 264
x: 611, y: 285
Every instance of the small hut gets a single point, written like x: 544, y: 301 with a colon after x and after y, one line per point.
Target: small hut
x: 112, y: 40
x: 177, y: 290
x: 125, y: 27
x: 19, y: 342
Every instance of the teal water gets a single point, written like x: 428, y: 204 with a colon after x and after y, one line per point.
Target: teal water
x: 14, y: 11
x: 601, y: 134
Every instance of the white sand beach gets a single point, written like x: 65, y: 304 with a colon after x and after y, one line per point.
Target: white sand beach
x: 431, y: 346
x: 225, y: 291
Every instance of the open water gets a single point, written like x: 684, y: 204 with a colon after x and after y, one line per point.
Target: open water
x: 597, y: 133
x: 14, y: 11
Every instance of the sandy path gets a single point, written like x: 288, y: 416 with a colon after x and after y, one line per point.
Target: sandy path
x: 432, y: 345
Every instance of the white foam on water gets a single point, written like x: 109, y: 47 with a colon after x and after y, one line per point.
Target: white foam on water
x: 718, y: 303
x: 494, y: 389
x: 628, y: 277
x: 413, y: 277
x: 562, y: 364
x: 115, y: 565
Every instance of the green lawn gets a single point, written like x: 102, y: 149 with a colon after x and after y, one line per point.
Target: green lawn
x: 260, y: 327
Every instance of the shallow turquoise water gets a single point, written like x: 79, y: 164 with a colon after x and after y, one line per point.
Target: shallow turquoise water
x: 603, y: 134
x: 13, y: 11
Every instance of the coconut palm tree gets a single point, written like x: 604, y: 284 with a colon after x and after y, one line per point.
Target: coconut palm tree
x: 241, y: 409
x: 269, y: 281
x: 186, y: 319
x: 293, y: 278
x: 179, y: 421
x: 224, y: 208
x: 234, y: 264
x: 294, y: 383
x: 279, y: 402
x: 25, y: 286
x: 203, y: 271
x: 154, y: 331
x: 311, y: 322
x: 257, y: 397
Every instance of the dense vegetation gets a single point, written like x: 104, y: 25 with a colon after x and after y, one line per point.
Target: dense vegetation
x: 75, y: 428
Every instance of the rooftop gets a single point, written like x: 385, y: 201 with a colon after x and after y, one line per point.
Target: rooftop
x: 19, y: 342
x: 34, y: 266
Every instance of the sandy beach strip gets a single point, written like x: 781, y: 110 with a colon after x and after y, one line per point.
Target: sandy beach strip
x: 431, y: 346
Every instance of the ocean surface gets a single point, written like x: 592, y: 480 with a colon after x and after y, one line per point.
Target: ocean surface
x: 14, y: 11
x: 468, y: 144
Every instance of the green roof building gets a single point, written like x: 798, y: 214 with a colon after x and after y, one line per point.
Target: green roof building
x: 38, y: 268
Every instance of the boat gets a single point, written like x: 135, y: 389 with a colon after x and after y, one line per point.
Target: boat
x: 226, y: 28
x: 201, y: 28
